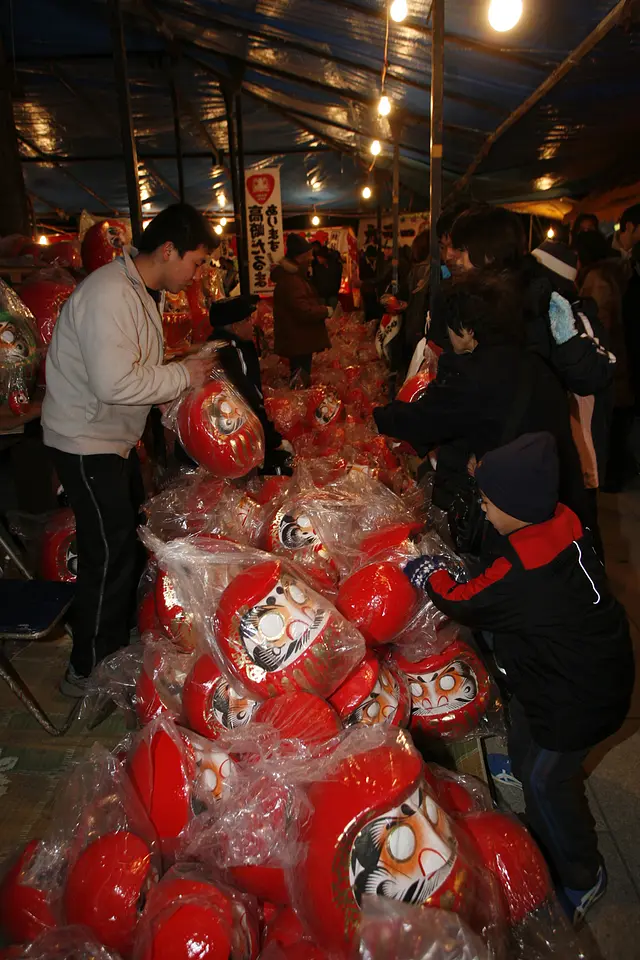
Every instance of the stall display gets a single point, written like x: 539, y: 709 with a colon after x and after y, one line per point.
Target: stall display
x: 19, y: 354
x: 103, y: 242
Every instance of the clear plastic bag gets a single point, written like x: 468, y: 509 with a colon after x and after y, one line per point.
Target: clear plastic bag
x: 458, y: 794
x: 321, y: 647
x: 217, y: 427
x: 25, y: 908
x: 184, y: 506
x: 100, y: 854
x: 44, y: 294
x: 68, y: 943
x: 397, y: 931
x: 188, y: 915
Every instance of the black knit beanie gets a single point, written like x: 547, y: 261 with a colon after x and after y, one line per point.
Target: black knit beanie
x: 521, y: 478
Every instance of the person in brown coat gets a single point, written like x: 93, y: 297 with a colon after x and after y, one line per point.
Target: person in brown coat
x: 298, y: 313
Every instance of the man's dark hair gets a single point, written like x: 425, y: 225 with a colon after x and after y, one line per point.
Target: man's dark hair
x: 630, y: 215
x: 447, y: 219
x: 488, y: 304
x: 591, y: 247
x: 492, y: 236
x: 183, y: 226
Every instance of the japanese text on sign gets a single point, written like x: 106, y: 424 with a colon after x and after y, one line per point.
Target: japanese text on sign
x: 264, y: 226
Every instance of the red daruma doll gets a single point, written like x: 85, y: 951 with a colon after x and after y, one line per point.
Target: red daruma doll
x: 220, y: 431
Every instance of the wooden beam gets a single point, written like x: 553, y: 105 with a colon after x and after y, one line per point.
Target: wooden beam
x: 561, y: 71
x: 59, y: 166
x: 59, y: 211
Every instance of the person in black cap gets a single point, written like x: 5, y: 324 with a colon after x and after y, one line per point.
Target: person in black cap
x: 298, y: 314
x: 562, y: 643
x: 326, y: 273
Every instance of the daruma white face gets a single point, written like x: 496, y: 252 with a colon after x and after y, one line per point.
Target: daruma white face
x: 444, y: 690
x: 405, y: 854
x: 226, y: 415
x: 283, y: 624
x: 382, y: 703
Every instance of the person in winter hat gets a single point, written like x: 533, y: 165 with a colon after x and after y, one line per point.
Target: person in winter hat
x: 298, y: 313
x: 561, y: 642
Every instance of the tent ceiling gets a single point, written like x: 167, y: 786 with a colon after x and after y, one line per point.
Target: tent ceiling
x: 310, y: 72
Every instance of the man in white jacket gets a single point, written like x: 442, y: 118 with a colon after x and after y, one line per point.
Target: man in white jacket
x: 104, y: 372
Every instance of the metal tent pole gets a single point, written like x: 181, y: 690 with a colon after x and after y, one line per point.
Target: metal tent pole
x: 435, y: 168
x: 127, y: 132
x: 14, y: 205
x: 243, y: 244
x: 396, y: 211
x: 175, y: 104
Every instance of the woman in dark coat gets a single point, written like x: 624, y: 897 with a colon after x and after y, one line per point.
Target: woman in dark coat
x: 298, y: 314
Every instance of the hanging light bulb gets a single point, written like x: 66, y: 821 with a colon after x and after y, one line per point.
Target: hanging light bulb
x: 504, y: 14
x: 315, y: 220
x: 217, y: 229
x: 550, y: 233
x: 223, y: 221
x: 375, y: 148
x: 366, y: 192
x: 222, y: 200
x: 43, y: 241
x: 398, y: 10
x: 384, y: 107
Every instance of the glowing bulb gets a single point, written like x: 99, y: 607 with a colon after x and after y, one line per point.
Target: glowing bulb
x: 375, y: 148
x: 223, y: 221
x: 398, y: 10
x: 366, y: 193
x: 384, y: 107
x: 315, y: 221
x: 616, y: 227
x: 316, y: 185
x: 504, y: 14
x: 217, y: 229
x: 551, y: 233
x: 222, y: 200
x: 43, y: 241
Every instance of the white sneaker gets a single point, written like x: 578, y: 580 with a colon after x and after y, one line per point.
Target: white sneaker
x: 73, y: 685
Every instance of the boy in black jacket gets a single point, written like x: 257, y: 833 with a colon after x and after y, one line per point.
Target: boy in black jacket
x: 562, y: 641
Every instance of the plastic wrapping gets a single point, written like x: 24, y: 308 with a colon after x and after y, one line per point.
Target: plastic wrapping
x: 25, y: 910
x: 68, y: 943
x: 44, y: 295
x: 396, y: 931
x: 458, y: 794
x: 379, y: 600
x: 279, y: 635
x: 177, y: 323
x: 58, y: 549
x: 98, y: 857
x: 19, y: 354
x: 376, y: 828
x: 217, y: 427
x: 374, y: 693
x: 450, y: 691
x: 228, y: 590
x: 186, y: 915
x: 210, y: 704
x: 184, y: 506
x: 300, y: 716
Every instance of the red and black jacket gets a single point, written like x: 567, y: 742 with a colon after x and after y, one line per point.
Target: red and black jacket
x: 560, y: 635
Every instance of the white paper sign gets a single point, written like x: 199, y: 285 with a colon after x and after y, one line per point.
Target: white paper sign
x: 265, y: 237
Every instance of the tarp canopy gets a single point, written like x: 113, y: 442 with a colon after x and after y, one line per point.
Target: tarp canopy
x: 310, y: 72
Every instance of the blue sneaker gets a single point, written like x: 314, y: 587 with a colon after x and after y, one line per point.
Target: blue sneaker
x: 500, y: 769
x: 576, y: 903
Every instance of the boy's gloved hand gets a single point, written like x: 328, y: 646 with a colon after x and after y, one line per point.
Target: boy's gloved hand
x: 561, y: 319
x: 419, y: 570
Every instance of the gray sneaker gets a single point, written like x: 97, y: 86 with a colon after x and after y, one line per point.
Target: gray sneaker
x: 73, y: 685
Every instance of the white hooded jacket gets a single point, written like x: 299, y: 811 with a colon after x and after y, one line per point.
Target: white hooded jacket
x: 104, y: 365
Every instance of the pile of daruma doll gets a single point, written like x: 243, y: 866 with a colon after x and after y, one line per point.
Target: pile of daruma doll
x: 269, y: 800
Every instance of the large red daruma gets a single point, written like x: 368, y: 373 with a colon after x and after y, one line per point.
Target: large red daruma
x: 45, y: 299
x: 24, y: 910
x: 279, y: 635
x: 58, y: 550
x: 219, y: 430
x: 105, y: 887
x: 376, y: 829
x: 183, y: 918
x: 450, y: 691
x: 374, y: 693
x: 379, y: 600
x: 509, y: 851
x: 102, y: 243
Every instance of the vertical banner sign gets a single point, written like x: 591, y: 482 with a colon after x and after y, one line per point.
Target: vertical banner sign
x: 264, y: 226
